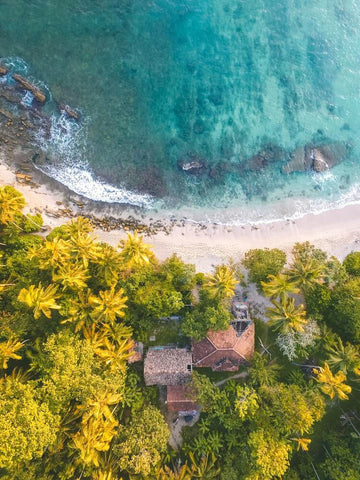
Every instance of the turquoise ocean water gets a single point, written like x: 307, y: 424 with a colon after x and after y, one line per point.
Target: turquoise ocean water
x: 160, y: 81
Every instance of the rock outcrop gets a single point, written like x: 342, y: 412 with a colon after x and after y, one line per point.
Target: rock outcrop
x: 39, y: 96
x: 192, y: 164
x: 316, y: 158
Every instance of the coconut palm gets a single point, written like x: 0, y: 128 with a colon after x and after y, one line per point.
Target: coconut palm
x: 11, y: 203
x: 84, y: 248
x: 180, y: 473
x: 134, y: 252
x: 222, y: 284
x: 332, y: 385
x: 279, y: 286
x: 52, y: 254
x: 109, y: 305
x: 343, y: 357
x: 114, y: 354
x: 71, y: 276
x: 305, y: 273
x: 94, y: 437
x: 286, y: 317
x: 8, y: 350
x: 80, y: 310
x: 99, y: 406
x: 42, y: 300
x: 77, y: 226
x: 108, y: 264
x: 205, y: 468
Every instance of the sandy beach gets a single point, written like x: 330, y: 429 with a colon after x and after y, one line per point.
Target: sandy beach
x: 335, y: 231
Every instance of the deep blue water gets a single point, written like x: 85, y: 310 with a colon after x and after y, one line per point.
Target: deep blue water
x: 214, y: 81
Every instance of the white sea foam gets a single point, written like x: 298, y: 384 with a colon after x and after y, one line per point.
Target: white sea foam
x: 66, y: 144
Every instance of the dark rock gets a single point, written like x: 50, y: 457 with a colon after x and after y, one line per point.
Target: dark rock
x: 199, y: 127
x: 192, y: 164
x: 300, y: 161
x: 257, y: 162
x: 39, y: 96
x: 327, y: 156
x: 69, y: 111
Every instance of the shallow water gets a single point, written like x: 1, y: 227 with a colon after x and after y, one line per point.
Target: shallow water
x: 217, y: 80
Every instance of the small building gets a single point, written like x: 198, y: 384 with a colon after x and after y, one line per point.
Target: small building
x: 227, y: 349
x: 167, y: 366
x: 181, y: 399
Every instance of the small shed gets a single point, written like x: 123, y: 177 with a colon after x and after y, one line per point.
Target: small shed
x: 167, y: 366
x: 181, y: 398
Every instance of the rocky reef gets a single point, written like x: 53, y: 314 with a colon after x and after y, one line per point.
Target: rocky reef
x: 316, y: 158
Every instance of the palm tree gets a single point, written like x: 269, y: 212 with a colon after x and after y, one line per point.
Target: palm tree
x: 71, y: 276
x: 332, y: 385
x: 305, y: 273
x: 179, y: 473
x: 8, y: 350
x: 98, y: 406
x: 84, y: 248
x: 94, y: 437
x: 344, y: 357
x: 109, y: 305
x: 11, y: 203
x: 222, y: 284
x: 286, y: 317
x: 262, y: 371
x: 77, y: 226
x: 80, y: 310
x: 279, y: 286
x: 114, y: 355
x: 108, y: 264
x: 205, y: 469
x: 134, y: 252
x: 52, y: 254
x: 43, y: 300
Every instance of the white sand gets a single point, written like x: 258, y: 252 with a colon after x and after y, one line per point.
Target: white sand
x: 335, y: 231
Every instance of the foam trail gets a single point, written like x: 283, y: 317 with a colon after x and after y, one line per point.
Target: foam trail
x: 66, y: 141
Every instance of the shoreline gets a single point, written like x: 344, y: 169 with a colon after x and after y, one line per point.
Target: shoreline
x: 335, y: 231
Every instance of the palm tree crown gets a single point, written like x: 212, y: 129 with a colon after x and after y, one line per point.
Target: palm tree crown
x: 286, y: 317
x: 279, y: 286
x: 134, y: 252
x: 11, y: 202
x: 222, y: 284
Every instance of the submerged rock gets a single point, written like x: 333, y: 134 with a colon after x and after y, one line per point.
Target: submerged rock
x: 327, y: 156
x: 270, y: 153
x: 192, y: 164
x: 300, y: 161
x: 316, y: 158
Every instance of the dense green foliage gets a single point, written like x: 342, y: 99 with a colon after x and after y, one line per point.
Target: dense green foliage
x: 71, y: 406
x: 262, y: 263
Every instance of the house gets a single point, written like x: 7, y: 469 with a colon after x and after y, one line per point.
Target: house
x: 227, y: 349
x: 181, y: 399
x: 167, y: 366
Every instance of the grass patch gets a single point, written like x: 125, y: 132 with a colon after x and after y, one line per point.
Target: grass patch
x: 167, y: 332
x: 218, y: 376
